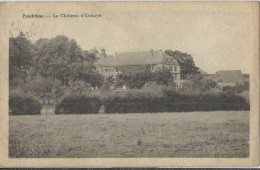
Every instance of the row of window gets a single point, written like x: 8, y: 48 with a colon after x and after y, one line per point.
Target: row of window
x: 165, y: 67
x: 152, y: 68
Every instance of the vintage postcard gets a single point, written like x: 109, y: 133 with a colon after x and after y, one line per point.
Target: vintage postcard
x: 129, y: 84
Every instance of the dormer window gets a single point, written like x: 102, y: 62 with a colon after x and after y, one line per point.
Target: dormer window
x: 116, y: 69
x: 151, y: 67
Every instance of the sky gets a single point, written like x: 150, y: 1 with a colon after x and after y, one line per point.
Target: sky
x: 217, y: 39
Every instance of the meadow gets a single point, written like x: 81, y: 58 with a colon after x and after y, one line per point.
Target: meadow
x: 183, y: 134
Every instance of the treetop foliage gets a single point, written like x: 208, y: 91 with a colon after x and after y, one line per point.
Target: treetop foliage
x: 186, y: 62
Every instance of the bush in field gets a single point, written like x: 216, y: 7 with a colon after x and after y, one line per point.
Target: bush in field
x: 23, y: 104
x: 79, y: 104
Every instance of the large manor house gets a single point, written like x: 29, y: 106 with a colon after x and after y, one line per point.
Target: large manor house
x: 112, y: 65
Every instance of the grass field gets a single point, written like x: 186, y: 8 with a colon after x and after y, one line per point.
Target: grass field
x: 193, y: 134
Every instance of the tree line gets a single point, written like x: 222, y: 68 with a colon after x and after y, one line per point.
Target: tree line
x: 51, y: 70
x: 48, y: 67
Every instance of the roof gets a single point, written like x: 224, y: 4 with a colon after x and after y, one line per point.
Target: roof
x: 202, y: 72
x: 246, y: 75
x: 136, y: 58
x: 230, y: 76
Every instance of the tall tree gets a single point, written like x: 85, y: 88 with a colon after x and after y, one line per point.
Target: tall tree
x: 186, y: 62
x: 197, y: 83
x: 61, y: 58
x: 20, y: 57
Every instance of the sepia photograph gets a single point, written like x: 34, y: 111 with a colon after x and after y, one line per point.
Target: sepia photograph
x: 101, y: 80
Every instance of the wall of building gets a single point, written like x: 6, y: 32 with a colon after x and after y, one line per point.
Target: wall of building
x: 108, y: 71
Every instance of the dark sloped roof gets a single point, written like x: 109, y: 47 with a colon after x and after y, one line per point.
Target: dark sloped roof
x: 230, y: 76
x: 105, y: 60
x: 136, y: 58
x: 246, y: 75
x: 202, y: 72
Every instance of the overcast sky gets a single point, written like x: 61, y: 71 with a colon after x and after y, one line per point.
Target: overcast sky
x: 216, y: 39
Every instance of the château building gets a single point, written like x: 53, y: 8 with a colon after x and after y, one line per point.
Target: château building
x: 112, y: 65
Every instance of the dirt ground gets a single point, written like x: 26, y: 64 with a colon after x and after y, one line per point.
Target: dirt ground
x: 192, y: 134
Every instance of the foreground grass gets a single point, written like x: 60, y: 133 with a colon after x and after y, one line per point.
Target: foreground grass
x: 193, y: 134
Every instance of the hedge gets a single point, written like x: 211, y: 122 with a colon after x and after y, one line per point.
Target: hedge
x: 78, y: 105
x: 140, y: 102
x: 23, y: 105
x: 169, y: 106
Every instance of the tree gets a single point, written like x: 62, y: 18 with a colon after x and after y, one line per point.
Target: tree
x: 90, y: 56
x: 186, y: 62
x: 62, y: 59
x: 56, y: 56
x: 135, y: 79
x: 77, y: 88
x: 162, y: 77
x: 44, y: 88
x: 236, y: 89
x: 139, y: 79
x: 20, y: 58
x: 196, y: 83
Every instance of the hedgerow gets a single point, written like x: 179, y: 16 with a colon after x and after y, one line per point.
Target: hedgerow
x: 142, y: 101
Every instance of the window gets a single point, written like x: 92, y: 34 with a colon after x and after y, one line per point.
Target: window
x: 151, y: 67
x: 175, y: 76
x: 116, y: 69
x: 105, y: 69
x: 116, y: 78
x: 163, y: 67
x: 175, y: 68
x: 170, y: 68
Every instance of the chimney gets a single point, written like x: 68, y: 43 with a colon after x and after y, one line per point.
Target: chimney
x: 152, y: 51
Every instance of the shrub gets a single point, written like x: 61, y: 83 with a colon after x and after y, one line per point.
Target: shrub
x: 79, y: 105
x: 23, y: 104
x: 134, y: 105
x: 172, y: 101
x: 152, y: 98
